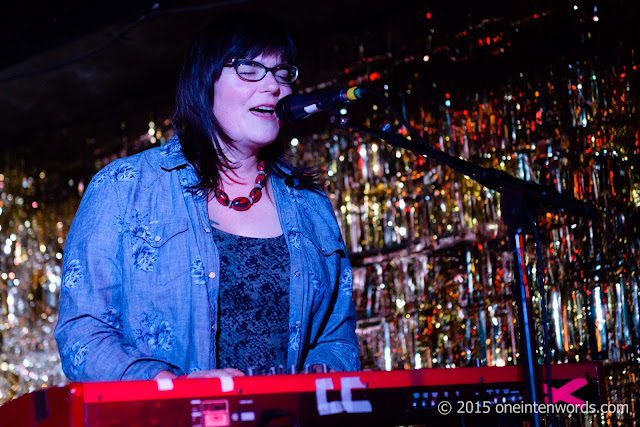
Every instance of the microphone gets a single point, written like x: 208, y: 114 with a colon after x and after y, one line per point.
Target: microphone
x: 297, y: 107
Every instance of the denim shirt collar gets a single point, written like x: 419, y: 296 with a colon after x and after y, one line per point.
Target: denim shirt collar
x: 328, y: 242
x: 172, y: 155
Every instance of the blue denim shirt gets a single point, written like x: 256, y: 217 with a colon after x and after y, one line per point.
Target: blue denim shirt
x: 141, y: 271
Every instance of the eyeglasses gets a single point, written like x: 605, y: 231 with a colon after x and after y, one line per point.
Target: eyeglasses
x: 253, y: 71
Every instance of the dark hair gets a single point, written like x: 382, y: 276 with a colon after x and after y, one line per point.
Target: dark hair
x: 226, y: 38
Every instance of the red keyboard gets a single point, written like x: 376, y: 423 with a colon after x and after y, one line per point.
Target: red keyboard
x: 473, y: 396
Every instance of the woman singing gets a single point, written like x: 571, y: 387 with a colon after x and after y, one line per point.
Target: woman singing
x: 210, y: 255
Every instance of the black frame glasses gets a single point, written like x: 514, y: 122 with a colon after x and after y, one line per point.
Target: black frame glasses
x: 253, y: 71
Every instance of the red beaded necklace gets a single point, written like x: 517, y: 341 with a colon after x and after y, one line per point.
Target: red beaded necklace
x: 243, y: 203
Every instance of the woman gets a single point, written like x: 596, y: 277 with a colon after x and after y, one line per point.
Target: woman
x: 211, y: 255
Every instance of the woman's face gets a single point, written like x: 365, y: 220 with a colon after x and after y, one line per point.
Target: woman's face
x: 246, y: 110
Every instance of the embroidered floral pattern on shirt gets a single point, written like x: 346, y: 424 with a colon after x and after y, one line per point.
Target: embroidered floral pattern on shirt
x: 197, y: 272
x: 73, y: 275
x: 346, y: 282
x: 100, y: 178
x: 297, y: 197
x: 188, y: 178
x: 294, y: 332
x: 112, y: 317
x: 115, y: 173
x: 125, y: 172
x: 74, y: 357
x: 294, y: 238
x: 170, y: 149
x: 155, y: 334
x: 139, y: 226
x: 144, y: 256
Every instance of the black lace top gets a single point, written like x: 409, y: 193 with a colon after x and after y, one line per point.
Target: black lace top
x: 253, y: 327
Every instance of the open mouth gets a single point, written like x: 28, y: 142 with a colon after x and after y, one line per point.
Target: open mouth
x: 263, y: 109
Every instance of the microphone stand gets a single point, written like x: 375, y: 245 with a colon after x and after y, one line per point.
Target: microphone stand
x: 520, y: 199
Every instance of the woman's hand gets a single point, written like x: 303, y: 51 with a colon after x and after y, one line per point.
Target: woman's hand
x: 211, y: 373
x: 319, y: 368
x: 216, y: 373
x: 165, y: 374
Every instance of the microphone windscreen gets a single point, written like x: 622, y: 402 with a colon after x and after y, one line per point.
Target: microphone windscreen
x: 283, y: 110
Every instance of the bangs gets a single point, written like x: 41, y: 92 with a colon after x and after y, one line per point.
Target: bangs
x: 246, y: 47
x: 252, y: 35
x: 271, y: 50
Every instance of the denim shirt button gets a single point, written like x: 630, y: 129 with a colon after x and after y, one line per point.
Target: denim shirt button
x: 207, y: 230
x: 158, y: 238
x: 212, y: 275
x: 297, y: 274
